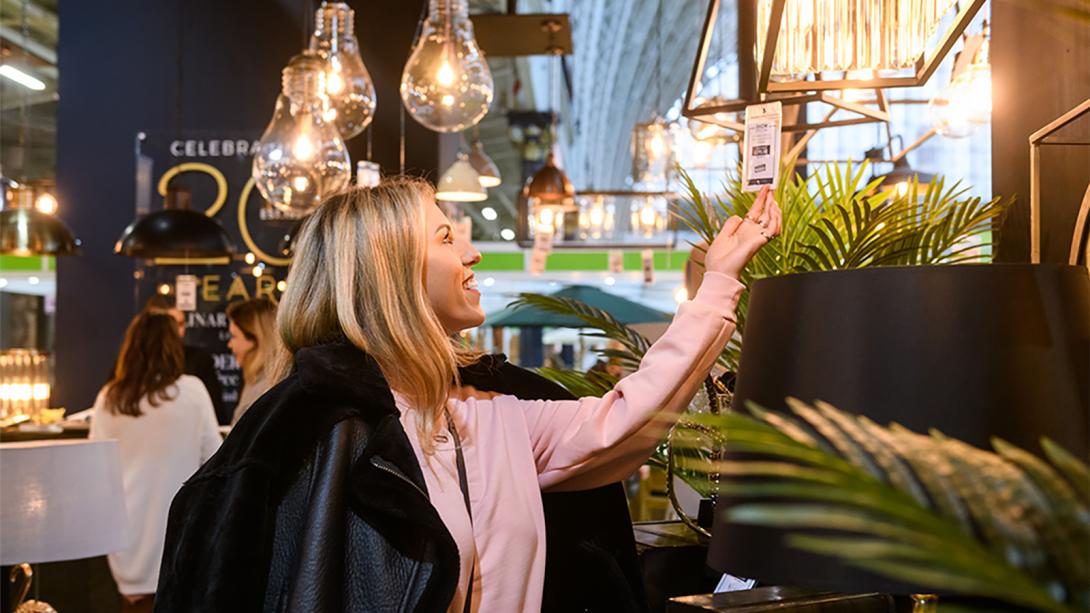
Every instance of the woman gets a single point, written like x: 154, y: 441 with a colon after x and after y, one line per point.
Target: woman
x: 252, y: 324
x: 375, y: 481
x: 165, y: 428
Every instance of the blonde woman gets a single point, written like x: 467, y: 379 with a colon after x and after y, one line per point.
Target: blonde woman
x: 252, y: 325
x: 373, y: 480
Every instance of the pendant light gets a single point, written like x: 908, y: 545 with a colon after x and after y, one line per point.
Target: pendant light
x: 446, y: 84
x: 175, y: 232
x: 966, y: 102
x: 348, y: 85
x: 485, y: 167
x: 653, y: 141
x: 460, y: 183
x: 26, y: 229
x: 901, y: 177
x: 301, y: 158
x: 548, y: 194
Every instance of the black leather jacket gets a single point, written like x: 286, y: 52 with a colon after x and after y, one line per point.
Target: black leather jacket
x: 316, y: 502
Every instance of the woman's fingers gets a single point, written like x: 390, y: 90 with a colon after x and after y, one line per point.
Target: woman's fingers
x: 730, y: 226
x: 759, y: 205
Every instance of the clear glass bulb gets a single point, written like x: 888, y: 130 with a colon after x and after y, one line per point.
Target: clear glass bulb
x: 446, y: 84
x: 949, y: 111
x: 301, y: 158
x: 348, y: 85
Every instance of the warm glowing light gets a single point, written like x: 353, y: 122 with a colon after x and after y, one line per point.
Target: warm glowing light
x: 164, y: 288
x: 445, y: 74
x: 300, y: 184
x: 648, y: 216
x: 258, y: 271
x: 249, y: 258
x: 334, y: 83
x: 281, y: 285
x: 901, y: 189
x: 24, y: 392
x: 303, y: 149
x: 46, y: 203
x: 447, y: 100
x: 681, y: 294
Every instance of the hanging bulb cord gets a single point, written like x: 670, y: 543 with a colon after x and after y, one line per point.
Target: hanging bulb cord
x: 23, y: 97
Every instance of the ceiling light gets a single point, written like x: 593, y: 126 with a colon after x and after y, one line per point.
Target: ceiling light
x: 21, y: 77
x: 25, y: 230
x: 485, y: 167
x: 489, y: 213
x: 460, y: 183
x: 507, y: 234
x: 33, y: 280
x: 348, y: 85
x: 174, y: 232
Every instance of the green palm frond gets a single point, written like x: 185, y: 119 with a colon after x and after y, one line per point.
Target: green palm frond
x: 928, y: 510
x: 579, y: 383
x: 607, y: 326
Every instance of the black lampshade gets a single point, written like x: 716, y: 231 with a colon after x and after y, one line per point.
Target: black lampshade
x: 975, y: 351
x: 27, y: 231
x: 175, y: 232
x: 902, y: 172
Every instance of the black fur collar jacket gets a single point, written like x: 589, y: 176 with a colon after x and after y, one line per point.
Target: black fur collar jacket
x: 316, y: 502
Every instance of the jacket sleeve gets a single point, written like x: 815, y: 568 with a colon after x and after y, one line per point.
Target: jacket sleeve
x: 590, y: 442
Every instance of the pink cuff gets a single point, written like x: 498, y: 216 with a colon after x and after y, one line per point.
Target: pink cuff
x: 720, y: 293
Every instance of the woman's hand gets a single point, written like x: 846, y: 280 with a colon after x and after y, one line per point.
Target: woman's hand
x: 739, y: 239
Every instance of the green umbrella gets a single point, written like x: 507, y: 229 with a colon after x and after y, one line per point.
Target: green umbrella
x: 626, y: 311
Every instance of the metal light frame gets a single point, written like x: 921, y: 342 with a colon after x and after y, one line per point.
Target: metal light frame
x: 750, y: 93
x: 1041, y: 137
x: 926, y: 64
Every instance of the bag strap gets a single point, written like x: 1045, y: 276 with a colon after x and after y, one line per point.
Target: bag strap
x: 463, y: 484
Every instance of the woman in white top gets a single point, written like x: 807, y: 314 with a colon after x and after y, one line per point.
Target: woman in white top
x: 166, y: 428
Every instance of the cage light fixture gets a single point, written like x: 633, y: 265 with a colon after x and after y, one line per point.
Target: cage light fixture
x: 799, y: 42
x: 710, y: 108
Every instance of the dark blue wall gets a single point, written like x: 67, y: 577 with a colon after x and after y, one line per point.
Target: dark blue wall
x: 119, y: 76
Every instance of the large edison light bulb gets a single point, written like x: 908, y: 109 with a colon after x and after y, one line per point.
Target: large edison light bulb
x: 348, y: 85
x: 300, y: 158
x: 446, y: 84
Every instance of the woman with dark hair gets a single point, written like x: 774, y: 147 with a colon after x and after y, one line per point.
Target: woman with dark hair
x: 254, y: 344
x: 165, y: 428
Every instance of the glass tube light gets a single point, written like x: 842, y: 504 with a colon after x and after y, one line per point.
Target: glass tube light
x: 652, y: 150
x: 840, y: 35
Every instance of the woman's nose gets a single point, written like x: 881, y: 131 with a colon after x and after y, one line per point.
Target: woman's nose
x: 470, y: 255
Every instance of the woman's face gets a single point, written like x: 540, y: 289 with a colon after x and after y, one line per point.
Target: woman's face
x: 239, y: 344
x: 448, y: 275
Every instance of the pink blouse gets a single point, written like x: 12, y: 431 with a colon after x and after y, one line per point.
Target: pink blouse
x: 515, y: 448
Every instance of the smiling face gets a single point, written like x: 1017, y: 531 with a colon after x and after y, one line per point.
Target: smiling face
x: 448, y: 275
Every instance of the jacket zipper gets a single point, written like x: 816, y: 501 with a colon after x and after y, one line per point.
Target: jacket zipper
x: 378, y: 463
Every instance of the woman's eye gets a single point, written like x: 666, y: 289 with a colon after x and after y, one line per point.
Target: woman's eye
x: 449, y: 239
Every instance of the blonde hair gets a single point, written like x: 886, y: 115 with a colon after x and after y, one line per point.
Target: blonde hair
x: 358, y: 274
x: 256, y: 318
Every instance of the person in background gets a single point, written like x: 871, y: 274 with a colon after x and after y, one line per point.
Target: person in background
x: 254, y: 343
x: 165, y: 429
x: 198, y: 361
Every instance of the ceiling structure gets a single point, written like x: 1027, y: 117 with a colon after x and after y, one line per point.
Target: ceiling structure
x: 28, y: 125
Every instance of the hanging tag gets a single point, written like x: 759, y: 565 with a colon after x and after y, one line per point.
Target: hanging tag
x: 616, y: 261
x: 647, y: 257
x: 185, y: 292
x: 730, y: 583
x: 762, y: 146
x: 543, y: 246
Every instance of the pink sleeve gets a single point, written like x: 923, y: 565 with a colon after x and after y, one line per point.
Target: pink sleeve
x: 580, y: 444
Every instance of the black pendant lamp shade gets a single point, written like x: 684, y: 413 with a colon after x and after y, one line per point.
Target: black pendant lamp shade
x: 903, y: 172
x: 175, y: 232
x: 26, y: 231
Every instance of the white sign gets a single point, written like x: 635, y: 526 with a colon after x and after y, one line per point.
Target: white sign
x: 185, y: 292
x: 762, y: 146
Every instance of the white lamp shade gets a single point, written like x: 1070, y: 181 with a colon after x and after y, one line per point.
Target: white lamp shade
x: 487, y: 171
x: 60, y: 500
x: 460, y: 183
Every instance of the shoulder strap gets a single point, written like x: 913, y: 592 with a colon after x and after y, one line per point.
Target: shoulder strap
x: 463, y: 484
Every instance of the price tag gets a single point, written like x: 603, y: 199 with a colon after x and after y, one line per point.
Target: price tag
x: 647, y: 257
x: 762, y: 146
x: 185, y: 292
x: 543, y: 246
x: 616, y: 261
